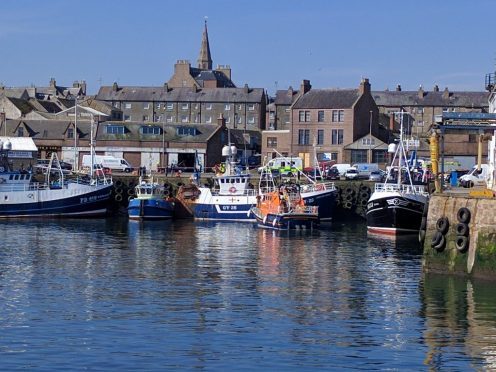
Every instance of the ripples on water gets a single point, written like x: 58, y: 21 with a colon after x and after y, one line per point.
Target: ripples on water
x: 113, y: 294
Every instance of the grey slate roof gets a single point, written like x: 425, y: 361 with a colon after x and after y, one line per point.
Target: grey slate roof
x: 49, y: 129
x: 159, y: 94
x: 327, y: 99
x: 411, y: 98
x: 208, y: 75
x: 22, y: 105
x: 284, y: 97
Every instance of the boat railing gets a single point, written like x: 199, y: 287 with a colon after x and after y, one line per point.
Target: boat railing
x: 404, y: 188
x: 318, y: 186
x: 35, y: 186
x: 245, y: 192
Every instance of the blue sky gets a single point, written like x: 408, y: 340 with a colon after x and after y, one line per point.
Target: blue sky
x: 269, y: 44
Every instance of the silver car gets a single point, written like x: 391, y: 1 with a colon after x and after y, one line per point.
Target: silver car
x: 376, y: 176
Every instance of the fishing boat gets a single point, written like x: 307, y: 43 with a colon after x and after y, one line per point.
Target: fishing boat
x: 396, y: 206
x: 231, y: 197
x: 57, y: 195
x: 152, y: 201
x: 284, y: 209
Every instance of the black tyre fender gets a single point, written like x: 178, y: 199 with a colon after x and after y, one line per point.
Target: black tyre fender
x: 462, y: 229
x: 365, y: 188
x: 349, y: 197
x: 438, y: 241
x: 442, y: 225
x: 461, y: 244
x: 463, y: 215
x: 349, y: 191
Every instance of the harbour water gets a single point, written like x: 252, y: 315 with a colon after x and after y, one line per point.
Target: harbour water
x: 112, y: 294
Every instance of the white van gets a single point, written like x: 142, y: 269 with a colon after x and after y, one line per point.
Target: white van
x: 107, y: 161
x: 475, y: 177
x: 342, y: 168
x: 364, y: 169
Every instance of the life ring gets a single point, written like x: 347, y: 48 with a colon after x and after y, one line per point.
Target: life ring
x: 438, y: 241
x: 349, y: 191
x: 222, y: 168
x: 463, y: 215
x: 364, y: 195
x: 130, y: 191
x: 348, y: 205
x: 118, y: 198
x: 442, y: 225
x: 365, y: 188
x: 319, y: 187
x: 118, y: 190
x: 462, y: 229
x: 461, y: 244
x: 232, y: 189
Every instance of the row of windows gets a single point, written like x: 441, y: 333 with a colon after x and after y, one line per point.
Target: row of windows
x: 337, y: 137
x: 182, y: 106
x: 337, y: 116
x: 151, y: 130
x: 186, y: 119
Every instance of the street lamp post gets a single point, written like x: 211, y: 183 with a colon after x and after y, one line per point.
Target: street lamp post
x: 370, y: 137
x: 75, y: 136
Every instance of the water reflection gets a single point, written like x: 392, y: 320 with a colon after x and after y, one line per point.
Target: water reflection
x: 460, y: 320
x: 178, y: 293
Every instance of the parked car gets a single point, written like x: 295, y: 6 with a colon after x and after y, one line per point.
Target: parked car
x: 351, y: 174
x: 376, y: 176
x: 333, y: 174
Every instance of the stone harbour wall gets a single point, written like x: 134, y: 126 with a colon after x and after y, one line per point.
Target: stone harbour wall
x: 462, y: 250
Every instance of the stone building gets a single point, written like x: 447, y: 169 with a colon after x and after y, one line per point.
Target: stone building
x: 324, y: 121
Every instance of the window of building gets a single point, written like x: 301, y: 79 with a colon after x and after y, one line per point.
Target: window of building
x: 169, y: 118
x: 184, y: 118
x: 208, y: 106
x: 337, y: 116
x: 240, y: 107
x: 159, y: 105
x: 150, y: 129
x: 251, y: 119
x: 117, y: 104
x: 184, y: 106
x: 359, y: 156
x: 472, y: 138
x: 159, y: 117
x: 321, y: 116
x: 271, y: 141
x: 379, y: 156
x: 186, y: 131
x: 337, y: 137
x: 70, y: 133
x: 445, y: 109
x: 146, y: 118
x: 420, y: 110
x: 20, y: 132
x: 208, y: 119
x: 115, y: 129
x: 320, y: 136
x: 304, y: 137
x: 228, y: 120
x: 239, y: 119
x: 251, y: 107
x: 368, y: 141
x: 227, y: 107
x: 170, y: 106
x: 146, y: 105
x: 420, y: 123
x: 304, y: 116
x: 334, y: 156
x: 127, y: 105
x: 196, y: 106
x: 127, y: 118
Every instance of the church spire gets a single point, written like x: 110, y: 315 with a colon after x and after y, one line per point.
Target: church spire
x: 205, y: 60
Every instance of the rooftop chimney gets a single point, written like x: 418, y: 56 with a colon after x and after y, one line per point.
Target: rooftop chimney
x: 436, y: 88
x: 398, y: 88
x: 305, y: 86
x: 364, y: 86
x: 115, y: 87
x: 446, y: 93
x: 420, y: 92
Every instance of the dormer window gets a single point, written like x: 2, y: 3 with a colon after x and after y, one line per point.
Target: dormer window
x: 70, y: 133
x: 150, y: 129
x: 20, y: 132
x: 115, y: 129
x: 186, y: 131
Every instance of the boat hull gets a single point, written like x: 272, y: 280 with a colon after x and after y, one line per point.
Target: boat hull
x: 394, y: 214
x: 283, y: 221
x: 150, y: 209
x: 324, y: 199
x: 73, y: 201
x: 237, y: 208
